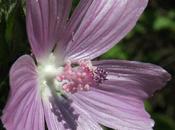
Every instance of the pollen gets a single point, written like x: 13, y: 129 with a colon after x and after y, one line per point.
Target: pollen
x: 81, y: 76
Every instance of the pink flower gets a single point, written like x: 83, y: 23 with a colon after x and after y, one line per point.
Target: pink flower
x: 63, y: 87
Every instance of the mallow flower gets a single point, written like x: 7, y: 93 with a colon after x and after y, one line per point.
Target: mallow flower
x: 60, y: 85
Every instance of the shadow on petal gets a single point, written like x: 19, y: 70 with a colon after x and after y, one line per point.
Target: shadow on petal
x: 65, y: 113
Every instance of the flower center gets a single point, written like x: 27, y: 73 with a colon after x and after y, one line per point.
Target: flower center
x: 70, y: 78
x: 81, y: 77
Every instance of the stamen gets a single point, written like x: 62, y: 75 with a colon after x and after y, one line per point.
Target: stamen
x: 100, y: 75
x: 81, y: 77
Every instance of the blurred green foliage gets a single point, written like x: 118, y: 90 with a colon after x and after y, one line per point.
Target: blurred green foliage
x: 152, y: 40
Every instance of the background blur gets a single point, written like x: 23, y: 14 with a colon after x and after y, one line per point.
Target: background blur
x: 152, y: 40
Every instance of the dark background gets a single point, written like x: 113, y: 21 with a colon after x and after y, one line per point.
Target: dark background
x: 152, y: 40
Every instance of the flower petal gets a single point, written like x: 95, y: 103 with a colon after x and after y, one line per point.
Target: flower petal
x: 114, y: 111
x: 61, y: 114
x: 24, y: 109
x: 143, y: 78
x: 45, y: 22
x: 53, y: 120
x: 118, y: 103
x: 72, y: 25
x: 97, y: 25
x: 85, y: 121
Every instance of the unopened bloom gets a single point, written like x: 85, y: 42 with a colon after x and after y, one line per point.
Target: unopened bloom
x: 63, y: 87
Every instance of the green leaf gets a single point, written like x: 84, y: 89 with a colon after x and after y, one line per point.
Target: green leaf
x: 163, y: 122
x: 163, y: 22
x: 116, y: 52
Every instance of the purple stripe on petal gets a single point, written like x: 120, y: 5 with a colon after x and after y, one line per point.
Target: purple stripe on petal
x: 110, y: 112
x: 59, y: 113
x: 24, y: 110
x: 53, y: 121
x: 63, y: 114
x: 85, y: 121
x: 144, y: 78
x: 45, y: 22
x: 73, y: 24
x: 99, y: 28
x: 119, y: 102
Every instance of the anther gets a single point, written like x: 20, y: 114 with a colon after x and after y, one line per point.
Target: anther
x: 81, y: 77
x: 100, y: 75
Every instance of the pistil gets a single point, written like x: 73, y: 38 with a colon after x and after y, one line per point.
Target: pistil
x: 81, y: 77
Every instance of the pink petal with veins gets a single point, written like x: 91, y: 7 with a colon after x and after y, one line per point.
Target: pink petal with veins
x: 24, y: 110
